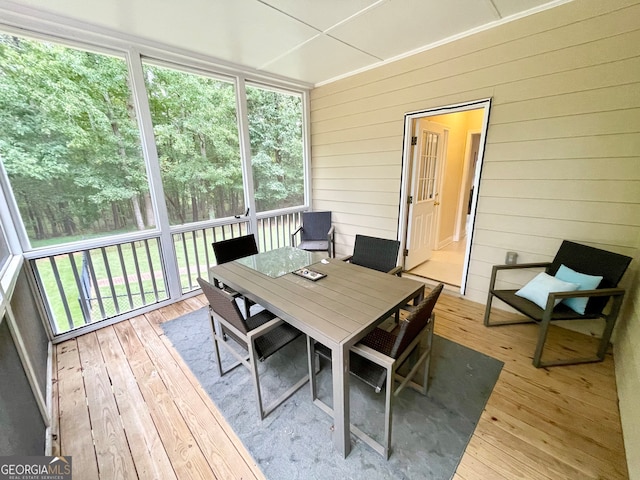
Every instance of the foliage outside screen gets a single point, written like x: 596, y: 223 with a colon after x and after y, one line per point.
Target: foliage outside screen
x: 71, y: 147
x: 275, y: 132
x: 69, y: 141
x: 196, y: 131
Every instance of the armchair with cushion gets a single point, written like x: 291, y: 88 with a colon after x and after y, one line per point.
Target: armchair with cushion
x: 316, y: 233
x: 377, y: 357
x: 577, y: 285
x: 260, y: 335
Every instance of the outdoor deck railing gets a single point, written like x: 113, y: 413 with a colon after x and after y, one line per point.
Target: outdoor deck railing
x: 195, y: 254
x: 81, y: 287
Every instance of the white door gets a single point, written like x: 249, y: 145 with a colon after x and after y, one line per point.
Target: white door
x: 423, y: 200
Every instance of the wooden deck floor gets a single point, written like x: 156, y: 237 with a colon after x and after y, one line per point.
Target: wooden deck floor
x: 128, y: 407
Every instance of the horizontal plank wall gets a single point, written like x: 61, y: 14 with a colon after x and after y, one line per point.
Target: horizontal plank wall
x: 562, y: 157
x: 627, y: 363
x: 563, y: 144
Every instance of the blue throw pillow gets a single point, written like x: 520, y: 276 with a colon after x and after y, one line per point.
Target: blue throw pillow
x: 538, y: 289
x: 584, y: 281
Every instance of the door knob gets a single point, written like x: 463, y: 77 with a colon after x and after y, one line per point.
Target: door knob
x: 435, y: 204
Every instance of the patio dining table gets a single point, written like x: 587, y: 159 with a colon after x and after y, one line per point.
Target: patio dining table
x: 338, y: 309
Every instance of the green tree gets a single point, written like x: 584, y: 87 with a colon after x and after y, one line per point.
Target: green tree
x: 68, y: 139
x: 70, y: 143
x: 275, y: 131
x: 195, y: 126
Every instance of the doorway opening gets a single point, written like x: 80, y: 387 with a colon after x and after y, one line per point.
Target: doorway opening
x: 442, y: 162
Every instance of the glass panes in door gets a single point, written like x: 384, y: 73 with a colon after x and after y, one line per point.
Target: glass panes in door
x: 428, y: 166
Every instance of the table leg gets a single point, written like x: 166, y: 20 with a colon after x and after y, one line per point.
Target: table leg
x: 340, y: 371
x: 419, y: 298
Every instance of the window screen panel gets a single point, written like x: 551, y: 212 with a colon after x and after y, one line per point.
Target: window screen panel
x: 23, y: 429
x: 31, y: 327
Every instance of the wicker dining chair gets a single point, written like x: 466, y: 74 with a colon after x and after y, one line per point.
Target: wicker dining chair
x: 260, y: 335
x: 231, y: 249
x: 376, y: 359
x: 379, y: 254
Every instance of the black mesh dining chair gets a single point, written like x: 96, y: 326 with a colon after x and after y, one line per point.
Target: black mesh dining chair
x: 231, y: 249
x: 376, y: 359
x: 377, y: 253
x: 316, y: 233
x: 260, y: 336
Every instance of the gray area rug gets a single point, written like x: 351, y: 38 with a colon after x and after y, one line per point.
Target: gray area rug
x: 430, y: 433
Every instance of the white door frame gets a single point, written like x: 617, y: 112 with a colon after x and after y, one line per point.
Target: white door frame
x: 407, y: 158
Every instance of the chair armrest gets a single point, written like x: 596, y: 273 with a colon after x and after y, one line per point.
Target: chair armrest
x: 229, y: 326
x: 230, y: 291
x: 264, y: 328
x: 521, y: 265
x: 229, y: 294
x: 601, y: 292
x: 497, y: 268
x: 373, y: 355
x: 293, y: 236
x: 396, y: 271
x: 332, y: 241
x: 225, y: 288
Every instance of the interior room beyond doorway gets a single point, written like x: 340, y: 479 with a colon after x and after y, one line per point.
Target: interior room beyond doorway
x: 448, y: 147
x: 445, y: 265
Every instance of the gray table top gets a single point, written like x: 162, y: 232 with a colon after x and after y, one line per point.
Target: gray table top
x: 336, y: 310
